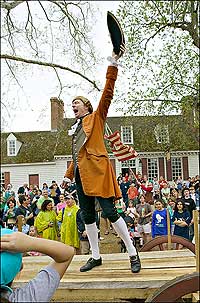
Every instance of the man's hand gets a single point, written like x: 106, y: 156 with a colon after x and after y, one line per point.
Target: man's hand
x: 122, y: 51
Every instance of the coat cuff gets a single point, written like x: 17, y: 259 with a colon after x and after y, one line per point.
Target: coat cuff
x: 112, y: 72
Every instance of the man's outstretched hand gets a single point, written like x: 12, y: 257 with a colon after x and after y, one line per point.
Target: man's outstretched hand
x: 122, y: 51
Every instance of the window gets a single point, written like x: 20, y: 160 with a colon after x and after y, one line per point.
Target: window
x: 128, y: 163
x: 162, y: 134
x: 2, y: 181
x: 176, y: 168
x: 152, y: 168
x: 11, y: 148
x: 127, y: 134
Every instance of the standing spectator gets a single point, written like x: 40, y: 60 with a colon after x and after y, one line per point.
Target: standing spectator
x: 23, y: 190
x: 159, y: 221
x: 84, y: 242
x: 161, y: 182
x: 165, y: 193
x: 61, y: 204
x: 45, y: 221
x: 194, y: 194
x: 147, y: 191
x: 144, y: 211
x: 10, y: 214
x: 2, y: 206
x: 131, y: 210
x: 8, y: 192
x: 181, y: 219
x: 190, y: 206
x: 25, y: 209
x: 45, y: 186
x: 156, y: 187
x: 179, y: 183
x: 124, y: 186
x: 133, y: 194
x: 44, y: 197
x: 69, y: 230
x: 55, y: 192
x: 170, y: 207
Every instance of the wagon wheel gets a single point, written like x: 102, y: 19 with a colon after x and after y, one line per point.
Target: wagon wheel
x: 164, y: 239
x: 176, y: 289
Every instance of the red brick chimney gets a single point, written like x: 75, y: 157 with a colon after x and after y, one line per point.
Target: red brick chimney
x: 57, y: 113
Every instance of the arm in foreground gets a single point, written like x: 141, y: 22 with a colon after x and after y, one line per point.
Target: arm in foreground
x: 60, y: 253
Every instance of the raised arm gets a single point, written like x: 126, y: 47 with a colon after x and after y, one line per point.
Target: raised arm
x: 61, y: 253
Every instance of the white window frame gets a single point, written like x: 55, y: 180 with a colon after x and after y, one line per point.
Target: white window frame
x: 129, y: 163
x: 123, y: 134
x: 176, y: 172
x: 11, y: 147
x: 161, y: 134
x: 2, y: 180
x: 152, y: 171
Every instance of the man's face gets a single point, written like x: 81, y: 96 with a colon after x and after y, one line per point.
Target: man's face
x: 79, y: 108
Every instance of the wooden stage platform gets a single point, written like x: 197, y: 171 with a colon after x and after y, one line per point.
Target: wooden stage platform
x: 113, y: 281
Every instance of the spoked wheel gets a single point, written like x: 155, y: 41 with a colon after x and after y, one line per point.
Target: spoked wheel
x: 164, y: 239
x: 175, y: 289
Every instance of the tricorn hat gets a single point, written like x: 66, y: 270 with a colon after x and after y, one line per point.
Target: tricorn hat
x: 116, y: 33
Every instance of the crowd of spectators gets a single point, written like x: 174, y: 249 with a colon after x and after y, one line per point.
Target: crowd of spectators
x: 53, y: 212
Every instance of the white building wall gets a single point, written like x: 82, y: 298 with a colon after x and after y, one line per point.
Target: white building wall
x: 193, y: 165
x: 19, y: 173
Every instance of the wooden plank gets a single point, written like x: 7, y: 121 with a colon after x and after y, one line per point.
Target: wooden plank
x: 114, y: 276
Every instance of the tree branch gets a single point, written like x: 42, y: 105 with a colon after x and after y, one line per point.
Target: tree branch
x: 19, y: 59
x: 11, y: 5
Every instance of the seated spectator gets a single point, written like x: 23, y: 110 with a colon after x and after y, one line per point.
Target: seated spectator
x: 12, y: 247
x: 21, y: 225
x: 45, y: 221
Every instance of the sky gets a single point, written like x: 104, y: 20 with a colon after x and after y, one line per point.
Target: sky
x: 31, y: 104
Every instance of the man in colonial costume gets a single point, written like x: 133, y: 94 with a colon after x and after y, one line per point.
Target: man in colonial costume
x: 91, y: 167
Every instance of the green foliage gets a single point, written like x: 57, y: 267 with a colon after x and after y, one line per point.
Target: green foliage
x: 162, y: 58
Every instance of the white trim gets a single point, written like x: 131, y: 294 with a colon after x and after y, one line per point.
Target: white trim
x: 28, y: 164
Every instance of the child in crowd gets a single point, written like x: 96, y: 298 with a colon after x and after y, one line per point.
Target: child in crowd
x: 84, y: 242
x: 131, y: 210
x: 159, y: 220
x: 33, y: 233
x: 21, y: 225
x: 9, y: 216
x: 45, y: 283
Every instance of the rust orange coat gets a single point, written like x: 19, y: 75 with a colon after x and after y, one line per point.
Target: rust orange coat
x: 96, y: 172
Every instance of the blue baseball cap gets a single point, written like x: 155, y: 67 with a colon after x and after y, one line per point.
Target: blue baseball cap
x: 10, y: 262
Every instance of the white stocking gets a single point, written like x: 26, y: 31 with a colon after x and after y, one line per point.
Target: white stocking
x: 122, y: 230
x: 92, y: 233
